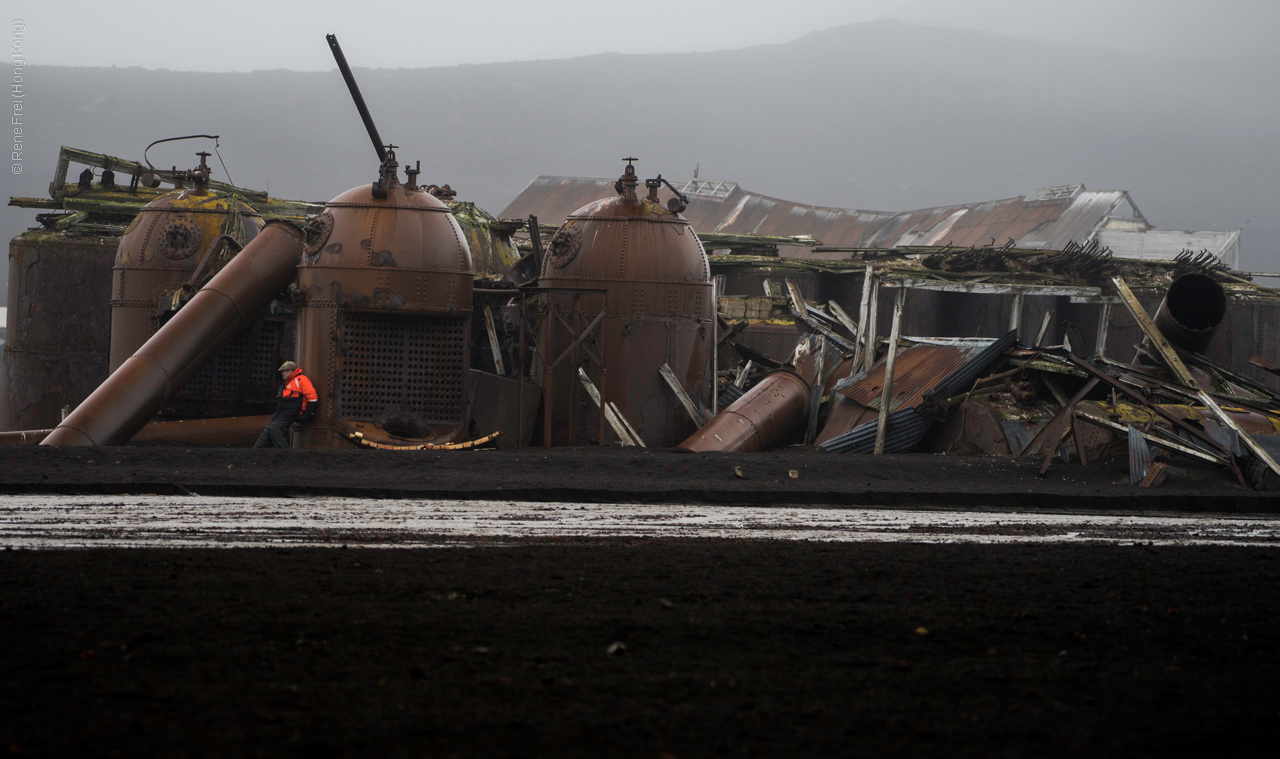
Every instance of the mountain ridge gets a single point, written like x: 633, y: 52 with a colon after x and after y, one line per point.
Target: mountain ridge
x: 891, y: 116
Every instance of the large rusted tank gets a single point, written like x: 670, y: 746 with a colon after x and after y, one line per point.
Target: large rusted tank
x: 138, y: 390
x: 384, y: 303
x: 161, y: 249
x: 659, y: 304
x: 59, y: 331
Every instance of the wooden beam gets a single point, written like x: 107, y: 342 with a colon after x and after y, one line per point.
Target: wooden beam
x: 1104, y: 325
x: 623, y: 420
x: 1156, y: 441
x: 1044, y: 328
x: 798, y: 306
x: 869, y: 334
x: 1154, y: 334
x: 1015, y: 314
x: 1180, y: 371
x: 674, y: 383
x: 895, y: 328
x: 815, y: 394
x: 493, y: 342
x: 619, y: 429
x: 860, y: 338
x: 1059, y: 421
x: 985, y: 288
x: 844, y: 319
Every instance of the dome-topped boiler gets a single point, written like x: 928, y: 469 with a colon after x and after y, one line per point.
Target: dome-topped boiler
x: 659, y: 307
x: 384, y: 291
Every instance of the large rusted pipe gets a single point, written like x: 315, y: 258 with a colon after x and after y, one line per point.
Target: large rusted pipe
x: 757, y: 421
x: 1191, y: 311
x: 225, y: 430
x: 132, y: 395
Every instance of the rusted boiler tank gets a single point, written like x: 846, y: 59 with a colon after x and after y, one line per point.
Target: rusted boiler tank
x: 161, y: 250
x: 658, y: 298
x: 169, y: 251
x: 383, y: 309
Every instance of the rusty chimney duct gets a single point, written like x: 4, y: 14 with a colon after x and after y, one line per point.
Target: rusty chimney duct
x: 1191, y: 311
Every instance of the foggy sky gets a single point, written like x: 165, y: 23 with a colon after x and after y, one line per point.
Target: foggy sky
x: 239, y: 35
x: 882, y: 117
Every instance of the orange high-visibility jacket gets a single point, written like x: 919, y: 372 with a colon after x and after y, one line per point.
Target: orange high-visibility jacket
x: 297, y: 392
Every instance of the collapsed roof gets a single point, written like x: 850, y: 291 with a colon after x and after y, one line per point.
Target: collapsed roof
x: 1047, y: 218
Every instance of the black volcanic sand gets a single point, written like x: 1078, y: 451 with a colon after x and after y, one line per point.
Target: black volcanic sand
x: 731, y: 649
x: 624, y: 475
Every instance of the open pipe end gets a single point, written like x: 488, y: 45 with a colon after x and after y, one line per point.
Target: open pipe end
x: 1192, y: 310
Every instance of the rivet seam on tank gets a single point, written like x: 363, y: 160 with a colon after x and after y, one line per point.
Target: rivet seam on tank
x: 373, y: 225
x: 146, y: 238
x: 463, y: 250
x: 622, y: 259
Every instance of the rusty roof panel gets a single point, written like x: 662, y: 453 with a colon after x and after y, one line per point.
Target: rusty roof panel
x: 919, y: 368
x: 1030, y: 222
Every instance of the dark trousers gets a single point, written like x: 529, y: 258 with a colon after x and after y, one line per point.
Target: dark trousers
x: 275, y: 435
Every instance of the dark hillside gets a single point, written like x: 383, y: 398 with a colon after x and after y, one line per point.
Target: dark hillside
x: 883, y: 115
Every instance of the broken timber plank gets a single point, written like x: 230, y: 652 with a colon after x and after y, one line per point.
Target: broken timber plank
x: 844, y: 319
x: 1180, y: 371
x: 1159, y: 442
x: 685, y: 400
x: 1141, y: 400
x: 895, y: 329
x: 869, y: 336
x: 815, y: 396
x: 1015, y: 314
x: 1154, y: 334
x: 493, y: 341
x: 619, y: 429
x: 1044, y: 328
x: 1104, y: 324
x: 623, y: 419
x: 1057, y: 422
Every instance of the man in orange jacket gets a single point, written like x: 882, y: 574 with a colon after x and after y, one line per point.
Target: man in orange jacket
x: 298, y: 403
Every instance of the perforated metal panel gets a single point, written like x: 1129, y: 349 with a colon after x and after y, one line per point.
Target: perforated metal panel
x: 220, y: 378
x: 393, y: 364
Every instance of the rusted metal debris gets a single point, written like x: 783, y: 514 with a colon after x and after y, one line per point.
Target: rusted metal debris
x: 759, y: 420
x: 619, y: 329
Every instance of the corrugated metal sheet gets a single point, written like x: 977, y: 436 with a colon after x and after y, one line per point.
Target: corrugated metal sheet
x: 919, y: 368
x: 903, y: 430
x: 1166, y: 244
x: 727, y: 396
x: 962, y: 379
x: 1045, y: 223
x: 943, y: 366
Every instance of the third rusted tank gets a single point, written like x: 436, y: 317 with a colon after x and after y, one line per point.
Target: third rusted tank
x: 658, y: 297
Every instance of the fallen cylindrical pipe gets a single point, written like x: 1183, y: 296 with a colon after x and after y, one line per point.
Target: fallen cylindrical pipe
x: 757, y: 421
x: 132, y: 395
x: 232, y: 431
x: 1191, y: 311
